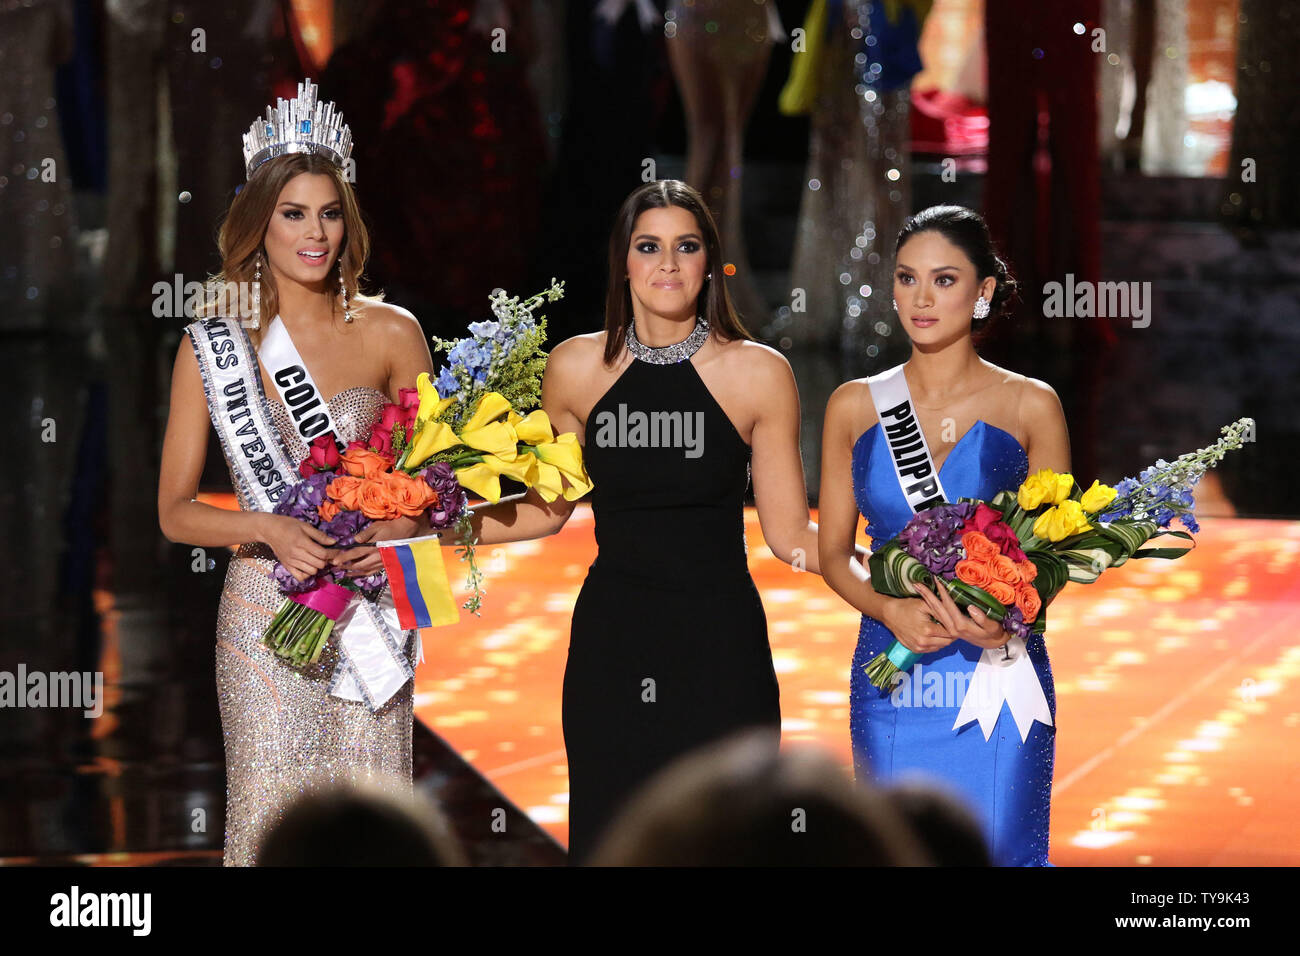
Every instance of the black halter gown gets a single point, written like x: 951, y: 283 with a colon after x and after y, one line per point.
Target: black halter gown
x: 668, y: 649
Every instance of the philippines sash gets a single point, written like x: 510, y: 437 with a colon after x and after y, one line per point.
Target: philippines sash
x: 913, y: 465
x: 996, y: 679
x: 372, y: 665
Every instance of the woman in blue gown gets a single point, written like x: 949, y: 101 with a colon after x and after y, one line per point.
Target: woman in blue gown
x: 985, y: 429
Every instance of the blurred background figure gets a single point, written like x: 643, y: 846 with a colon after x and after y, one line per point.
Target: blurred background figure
x: 744, y: 802
x: 361, y: 826
x: 946, y: 828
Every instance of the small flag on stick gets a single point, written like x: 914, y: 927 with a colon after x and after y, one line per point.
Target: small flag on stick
x: 418, y: 578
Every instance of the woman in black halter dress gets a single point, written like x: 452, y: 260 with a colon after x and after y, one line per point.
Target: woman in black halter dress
x: 668, y: 649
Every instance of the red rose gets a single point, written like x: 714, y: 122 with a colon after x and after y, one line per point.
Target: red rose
x: 381, y: 439
x: 322, y: 455
x: 391, y: 415
x: 984, y: 517
x: 1006, y: 540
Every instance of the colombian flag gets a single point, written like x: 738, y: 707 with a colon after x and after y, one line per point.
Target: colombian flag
x: 418, y: 579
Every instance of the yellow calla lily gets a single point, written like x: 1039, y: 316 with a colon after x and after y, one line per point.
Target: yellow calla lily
x: 431, y: 405
x: 534, y: 428
x: 522, y: 469
x: 547, y: 480
x: 490, y: 407
x: 496, y: 438
x: 565, y: 453
x: 480, y: 479
x: 431, y: 439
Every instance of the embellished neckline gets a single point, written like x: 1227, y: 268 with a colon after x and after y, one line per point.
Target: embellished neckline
x: 668, y: 354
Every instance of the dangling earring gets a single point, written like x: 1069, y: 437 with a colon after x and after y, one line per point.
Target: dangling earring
x: 895, y: 301
x: 343, y: 291
x: 981, y: 308
x: 257, y: 295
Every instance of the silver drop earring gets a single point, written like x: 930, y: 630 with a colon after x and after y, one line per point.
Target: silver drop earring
x: 343, y: 291
x: 895, y: 301
x: 981, y: 308
x: 257, y: 295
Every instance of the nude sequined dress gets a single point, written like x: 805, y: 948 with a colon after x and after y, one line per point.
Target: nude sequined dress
x: 281, y: 729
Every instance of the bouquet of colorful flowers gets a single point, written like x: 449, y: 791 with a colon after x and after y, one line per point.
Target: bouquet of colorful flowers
x: 1012, y: 555
x: 423, y: 453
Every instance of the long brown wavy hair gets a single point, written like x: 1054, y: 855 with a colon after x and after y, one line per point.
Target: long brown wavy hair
x: 717, y: 309
x: 244, y: 228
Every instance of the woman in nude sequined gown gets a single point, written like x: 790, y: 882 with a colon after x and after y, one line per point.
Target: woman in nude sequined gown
x: 283, y: 730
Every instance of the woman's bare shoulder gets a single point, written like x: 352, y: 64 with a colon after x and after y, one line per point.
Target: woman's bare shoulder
x: 850, y: 407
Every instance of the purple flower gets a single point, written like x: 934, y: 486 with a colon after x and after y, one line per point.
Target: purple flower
x: 1015, y: 623
x: 305, y: 497
x: 288, y: 584
x: 451, y: 496
x: 344, y: 527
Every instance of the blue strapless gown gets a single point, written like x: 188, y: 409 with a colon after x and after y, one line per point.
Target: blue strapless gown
x: 1006, y: 783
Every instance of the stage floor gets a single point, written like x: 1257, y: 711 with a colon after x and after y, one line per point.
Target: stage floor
x: 1178, y: 690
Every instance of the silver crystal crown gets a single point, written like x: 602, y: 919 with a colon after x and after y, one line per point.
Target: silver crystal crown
x: 299, y: 125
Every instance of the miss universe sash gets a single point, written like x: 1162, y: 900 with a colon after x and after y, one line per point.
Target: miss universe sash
x: 372, y: 666
x: 996, y: 679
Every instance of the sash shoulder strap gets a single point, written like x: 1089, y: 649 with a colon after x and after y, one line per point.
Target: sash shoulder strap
x: 307, y: 407
x: 913, y: 463
x: 240, y: 416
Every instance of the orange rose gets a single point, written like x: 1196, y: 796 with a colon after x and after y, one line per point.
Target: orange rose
x: 1028, y: 570
x: 1004, y: 569
x: 344, y: 491
x: 1001, y: 591
x: 410, y: 495
x: 364, y: 463
x: 327, y: 510
x: 374, y: 501
x: 974, y: 573
x: 1029, y: 602
x: 978, y: 547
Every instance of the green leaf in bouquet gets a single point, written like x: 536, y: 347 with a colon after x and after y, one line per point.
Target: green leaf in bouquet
x: 892, y: 569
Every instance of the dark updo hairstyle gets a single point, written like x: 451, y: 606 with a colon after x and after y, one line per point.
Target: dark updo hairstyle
x: 966, y: 230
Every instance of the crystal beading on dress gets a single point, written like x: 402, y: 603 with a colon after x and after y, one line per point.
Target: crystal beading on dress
x: 285, y: 732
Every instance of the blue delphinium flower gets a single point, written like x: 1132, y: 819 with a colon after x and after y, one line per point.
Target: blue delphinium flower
x: 446, y: 383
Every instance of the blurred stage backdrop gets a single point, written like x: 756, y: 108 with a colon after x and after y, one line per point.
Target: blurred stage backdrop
x: 1147, y: 143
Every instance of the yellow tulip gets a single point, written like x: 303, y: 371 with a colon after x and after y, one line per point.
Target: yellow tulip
x: 1097, y: 497
x: 1059, y: 490
x: 1031, y: 493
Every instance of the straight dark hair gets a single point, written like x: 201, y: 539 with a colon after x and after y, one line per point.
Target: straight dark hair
x: 717, y: 309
